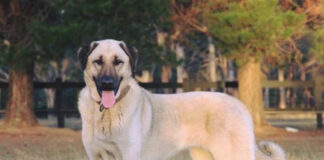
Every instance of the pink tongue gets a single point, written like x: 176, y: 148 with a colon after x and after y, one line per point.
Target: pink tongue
x: 108, y: 99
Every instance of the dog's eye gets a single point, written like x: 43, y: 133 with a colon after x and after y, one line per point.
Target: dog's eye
x: 117, y: 62
x: 98, y: 62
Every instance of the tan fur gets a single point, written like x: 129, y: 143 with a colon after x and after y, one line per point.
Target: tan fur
x: 146, y: 126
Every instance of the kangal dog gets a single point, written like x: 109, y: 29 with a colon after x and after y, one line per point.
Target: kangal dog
x: 123, y: 121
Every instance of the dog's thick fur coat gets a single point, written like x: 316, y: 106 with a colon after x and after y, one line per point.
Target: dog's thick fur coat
x: 146, y: 126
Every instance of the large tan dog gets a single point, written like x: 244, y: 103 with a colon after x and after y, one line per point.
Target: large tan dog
x: 123, y: 121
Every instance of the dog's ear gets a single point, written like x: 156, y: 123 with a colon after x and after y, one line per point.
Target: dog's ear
x: 132, y: 54
x: 83, y: 54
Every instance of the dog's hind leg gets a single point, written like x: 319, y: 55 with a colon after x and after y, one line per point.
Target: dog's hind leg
x: 221, y: 148
x: 226, y: 147
x: 200, y: 154
x: 234, y: 147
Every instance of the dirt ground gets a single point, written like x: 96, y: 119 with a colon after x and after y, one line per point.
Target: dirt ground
x: 42, y: 143
x: 303, y: 145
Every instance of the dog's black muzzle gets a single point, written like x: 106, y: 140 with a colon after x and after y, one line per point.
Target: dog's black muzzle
x: 107, y: 83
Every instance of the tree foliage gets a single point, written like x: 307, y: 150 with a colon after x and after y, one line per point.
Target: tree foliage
x: 313, y: 9
x: 18, y: 46
x: 311, y: 43
x: 317, y: 48
x: 43, y: 30
x: 78, y: 22
x: 34, y: 31
x: 250, y: 28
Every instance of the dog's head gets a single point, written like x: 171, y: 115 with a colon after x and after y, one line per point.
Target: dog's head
x: 108, y: 65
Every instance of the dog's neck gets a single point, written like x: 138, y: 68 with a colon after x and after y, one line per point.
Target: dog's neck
x: 123, y: 93
x: 114, y: 119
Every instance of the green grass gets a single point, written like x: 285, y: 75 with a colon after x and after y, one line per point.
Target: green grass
x: 65, y: 144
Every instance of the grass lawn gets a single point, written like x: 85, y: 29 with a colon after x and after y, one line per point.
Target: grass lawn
x: 41, y: 143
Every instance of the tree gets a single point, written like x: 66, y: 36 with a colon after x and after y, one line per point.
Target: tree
x: 185, y: 17
x: 317, y: 51
x: 130, y: 21
x: 250, y: 31
x: 19, y: 53
x: 309, y: 44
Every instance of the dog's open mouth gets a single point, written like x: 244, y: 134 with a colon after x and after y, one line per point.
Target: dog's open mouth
x: 107, y: 90
x: 108, y: 99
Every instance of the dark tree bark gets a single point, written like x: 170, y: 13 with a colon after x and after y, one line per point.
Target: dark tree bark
x: 19, y: 112
x: 250, y: 90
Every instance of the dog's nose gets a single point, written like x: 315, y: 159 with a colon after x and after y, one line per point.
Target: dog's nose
x: 107, y: 83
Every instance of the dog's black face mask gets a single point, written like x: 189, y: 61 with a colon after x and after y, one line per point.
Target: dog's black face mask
x: 107, y: 83
x: 107, y: 87
x: 106, y: 79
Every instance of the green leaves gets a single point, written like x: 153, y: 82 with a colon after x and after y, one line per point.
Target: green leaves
x: 251, y: 28
x: 66, y: 25
x: 17, y: 55
x: 317, y: 48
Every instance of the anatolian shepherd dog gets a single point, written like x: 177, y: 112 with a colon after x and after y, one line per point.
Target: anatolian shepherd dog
x: 123, y: 121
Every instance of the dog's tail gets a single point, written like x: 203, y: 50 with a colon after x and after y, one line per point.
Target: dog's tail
x: 269, y: 151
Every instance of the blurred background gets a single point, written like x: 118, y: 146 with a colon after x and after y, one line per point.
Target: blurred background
x: 267, y: 53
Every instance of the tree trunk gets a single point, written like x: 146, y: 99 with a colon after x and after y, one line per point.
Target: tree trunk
x: 212, y: 63
x: 166, y: 74
x: 229, y: 73
x: 266, y: 98
x: 19, y: 112
x: 166, y: 69
x: 181, y: 73
x: 250, y: 90
x: 282, y: 100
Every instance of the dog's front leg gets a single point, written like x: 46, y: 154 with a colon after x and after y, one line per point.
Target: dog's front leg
x: 131, y: 148
x: 106, y: 155
x: 131, y: 151
x: 101, y: 155
x: 98, y: 155
x: 131, y: 156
